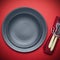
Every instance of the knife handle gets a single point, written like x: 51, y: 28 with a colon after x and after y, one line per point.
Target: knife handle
x: 53, y: 43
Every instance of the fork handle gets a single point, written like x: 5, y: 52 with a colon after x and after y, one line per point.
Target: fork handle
x: 51, y: 41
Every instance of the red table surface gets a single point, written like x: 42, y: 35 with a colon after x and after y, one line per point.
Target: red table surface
x: 49, y: 9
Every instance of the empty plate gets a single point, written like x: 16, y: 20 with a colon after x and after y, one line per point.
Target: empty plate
x: 24, y: 29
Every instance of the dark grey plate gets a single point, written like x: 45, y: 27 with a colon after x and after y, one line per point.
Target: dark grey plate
x: 24, y: 30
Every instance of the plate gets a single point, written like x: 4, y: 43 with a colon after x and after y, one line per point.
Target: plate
x: 24, y: 29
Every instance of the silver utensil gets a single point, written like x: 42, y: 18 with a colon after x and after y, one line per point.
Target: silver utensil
x: 55, y: 37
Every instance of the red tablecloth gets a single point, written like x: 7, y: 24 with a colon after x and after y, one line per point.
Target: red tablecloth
x: 48, y: 9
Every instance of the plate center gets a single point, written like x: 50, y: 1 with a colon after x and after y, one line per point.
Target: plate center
x: 24, y: 30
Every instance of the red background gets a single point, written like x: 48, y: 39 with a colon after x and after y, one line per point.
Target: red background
x: 49, y: 10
